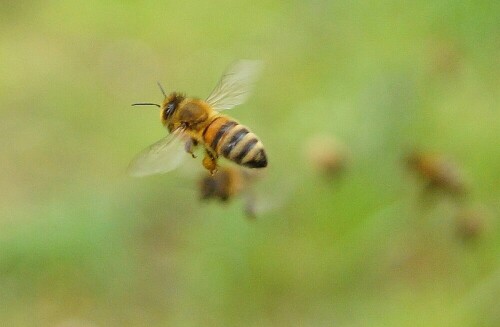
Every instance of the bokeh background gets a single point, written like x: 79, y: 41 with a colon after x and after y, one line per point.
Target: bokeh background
x: 83, y: 244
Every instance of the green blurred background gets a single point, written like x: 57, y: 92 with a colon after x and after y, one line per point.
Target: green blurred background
x: 83, y: 244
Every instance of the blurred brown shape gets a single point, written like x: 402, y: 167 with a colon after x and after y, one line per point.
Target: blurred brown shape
x: 444, y: 56
x: 471, y: 223
x: 222, y: 185
x: 327, y: 156
x: 230, y: 182
x: 438, y: 172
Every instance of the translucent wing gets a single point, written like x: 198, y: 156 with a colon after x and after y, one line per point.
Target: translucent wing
x: 235, y: 85
x: 257, y: 203
x: 161, y: 157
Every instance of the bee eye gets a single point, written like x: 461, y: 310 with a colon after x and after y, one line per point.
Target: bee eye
x: 170, y: 109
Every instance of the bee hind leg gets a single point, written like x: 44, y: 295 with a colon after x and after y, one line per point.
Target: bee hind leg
x: 190, y: 147
x: 210, y: 163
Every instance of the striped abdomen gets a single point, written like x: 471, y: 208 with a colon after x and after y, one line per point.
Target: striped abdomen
x: 235, y: 142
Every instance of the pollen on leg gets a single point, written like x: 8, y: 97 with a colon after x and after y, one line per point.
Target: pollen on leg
x: 210, y: 164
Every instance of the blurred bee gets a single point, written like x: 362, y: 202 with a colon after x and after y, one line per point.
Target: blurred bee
x: 228, y: 183
x: 472, y: 223
x: 444, y: 56
x: 193, y: 121
x: 327, y: 156
x: 438, y: 172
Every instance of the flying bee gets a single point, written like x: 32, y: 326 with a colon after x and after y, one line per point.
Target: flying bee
x: 437, y: 172
x: 472, y: 223
x: 192, y: 122
x: 327, y: 156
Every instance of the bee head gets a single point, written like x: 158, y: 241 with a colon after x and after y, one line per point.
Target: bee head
x: 169, y: 106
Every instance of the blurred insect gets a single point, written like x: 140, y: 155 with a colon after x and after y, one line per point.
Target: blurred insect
x: 444, y: 57
x: 471, y: 223
x: 438, y: 172
x: 192, y: 121
x: 228, y: 183
x: 327, y: 156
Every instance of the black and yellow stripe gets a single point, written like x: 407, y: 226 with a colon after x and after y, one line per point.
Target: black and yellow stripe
x: 235, y: 142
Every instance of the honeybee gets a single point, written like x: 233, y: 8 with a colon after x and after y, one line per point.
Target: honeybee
x: 438, y: 172
x: 471, y: 223
x: 327, y: 156
x: 192, y: 122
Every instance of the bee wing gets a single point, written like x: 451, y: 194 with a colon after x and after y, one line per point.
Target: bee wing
x: 235, y: 85
x: 160, y: 157
x: 257, y: 203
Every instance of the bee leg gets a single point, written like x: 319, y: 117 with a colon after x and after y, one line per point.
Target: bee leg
x: 210, y: 163
x: 190, y: 146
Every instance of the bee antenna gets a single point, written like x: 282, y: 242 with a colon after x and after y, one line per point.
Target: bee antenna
x: 146, y: 104
x: 162, y: 89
